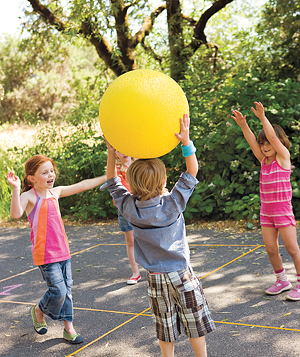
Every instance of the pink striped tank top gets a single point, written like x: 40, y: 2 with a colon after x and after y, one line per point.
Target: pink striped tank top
x: 275, y: 190
x: 48, y: 236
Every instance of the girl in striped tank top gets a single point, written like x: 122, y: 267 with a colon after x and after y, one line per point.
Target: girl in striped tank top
x: 50, y: 248
x: 276, y: 213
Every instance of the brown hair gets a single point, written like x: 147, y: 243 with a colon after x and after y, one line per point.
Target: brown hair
x: 280, y: 133
x: 146, y: 178
x: 31, y: 166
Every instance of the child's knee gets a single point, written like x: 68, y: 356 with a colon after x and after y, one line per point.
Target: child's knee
x: 294, y: 252
x: 58, y: 294
x: 272, y: 251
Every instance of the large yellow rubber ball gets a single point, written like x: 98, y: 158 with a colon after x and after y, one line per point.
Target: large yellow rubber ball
x: 140, y: 113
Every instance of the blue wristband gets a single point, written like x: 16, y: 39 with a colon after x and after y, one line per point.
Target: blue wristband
x: 188, y: 150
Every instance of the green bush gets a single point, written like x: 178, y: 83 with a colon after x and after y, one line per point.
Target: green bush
x: 229, y: 172
x: 78, y: 156
x: 78, y: 161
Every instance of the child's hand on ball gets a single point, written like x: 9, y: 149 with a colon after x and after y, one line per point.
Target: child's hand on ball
x: 109, y: 147
x: 184, y: 135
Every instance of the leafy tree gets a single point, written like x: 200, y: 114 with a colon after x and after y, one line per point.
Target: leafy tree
x: 109, y: 27
x: 279, y: 34
x: 45, y: 77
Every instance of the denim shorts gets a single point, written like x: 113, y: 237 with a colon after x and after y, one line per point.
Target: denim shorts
x: 125, y: 226
x: 57, y: 302
x: 177, y: 300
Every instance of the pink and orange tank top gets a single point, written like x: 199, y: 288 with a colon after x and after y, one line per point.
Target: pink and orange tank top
x: 48, y: 236
x: 122, y: 175
x: 275, y: 189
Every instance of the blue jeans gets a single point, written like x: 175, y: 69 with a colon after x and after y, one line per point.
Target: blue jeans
x: 57, y: 302
x: 125, y: 226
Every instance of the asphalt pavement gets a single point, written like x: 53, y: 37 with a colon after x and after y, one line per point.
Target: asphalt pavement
x: 114, y: 318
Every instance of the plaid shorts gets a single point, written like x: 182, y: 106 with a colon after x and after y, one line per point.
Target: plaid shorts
x: 177, y: 300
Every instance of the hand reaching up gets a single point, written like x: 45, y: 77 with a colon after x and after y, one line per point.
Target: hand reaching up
x: 13, y: 180
x: 259, y: 111
x: 239, y: 118
x: 184, y: 135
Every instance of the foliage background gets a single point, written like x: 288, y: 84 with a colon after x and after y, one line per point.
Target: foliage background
x: 59, y: 90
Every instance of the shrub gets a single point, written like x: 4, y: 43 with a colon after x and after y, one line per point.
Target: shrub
x: 229, y: 172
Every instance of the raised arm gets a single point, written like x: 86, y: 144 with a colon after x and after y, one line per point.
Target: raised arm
x: 240, y: 119
x: 184, y: 136
x: 88, y: 184
x: 18, y: 203
x: 280, y: 149
x: 111, y: 170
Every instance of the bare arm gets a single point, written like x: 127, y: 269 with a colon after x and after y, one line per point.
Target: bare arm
x: 111, y: 170
x: 184, y: 136
x: 248, y: 134
x: 64, y: 191
x: 280, y: 149
x: 18, y: 203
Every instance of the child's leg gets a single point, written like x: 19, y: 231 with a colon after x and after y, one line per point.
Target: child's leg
x: 199, y: 346
x: 270, y: 237
x: 69, y: 327
x: 39, y: 314
x: 130, y: 252
x: 289, y: 238
x: 70, y: 334
x: 57, y: 301
x: 126, y: 227
x: 167, y: 348
x: 164, y: 312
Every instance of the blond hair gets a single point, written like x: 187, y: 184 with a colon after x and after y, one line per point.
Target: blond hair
x: 146, y: 178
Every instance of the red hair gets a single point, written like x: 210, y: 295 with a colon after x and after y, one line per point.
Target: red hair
x: 31, y: 166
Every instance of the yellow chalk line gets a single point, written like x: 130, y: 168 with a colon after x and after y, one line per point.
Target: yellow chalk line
x: 140, y: 314
x: 223, y: 245
x: 102, y: 244
x: 261, y: 326
x: 80, y: 308
x: 107, y: 333
x: 250, y: 251
x: 23, y: 272
x: 149, y: 315
x: 83, y: 250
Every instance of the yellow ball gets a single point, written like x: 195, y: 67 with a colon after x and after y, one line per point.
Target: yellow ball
x: 140, y: 113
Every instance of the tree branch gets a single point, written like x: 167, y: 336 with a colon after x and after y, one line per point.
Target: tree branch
x: 103, y: 48
x: 119, y: 11
x: 47, y: 15
x: 189, y: 19
x: 152, y: 53
x: 147, y: 25
x: 199, y: 35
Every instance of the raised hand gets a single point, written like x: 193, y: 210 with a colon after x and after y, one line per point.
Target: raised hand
x: 259, y: 111
x: 239, y: 118
x: 184, y: 135
x: 13, y: 180
x: 109, y: 147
